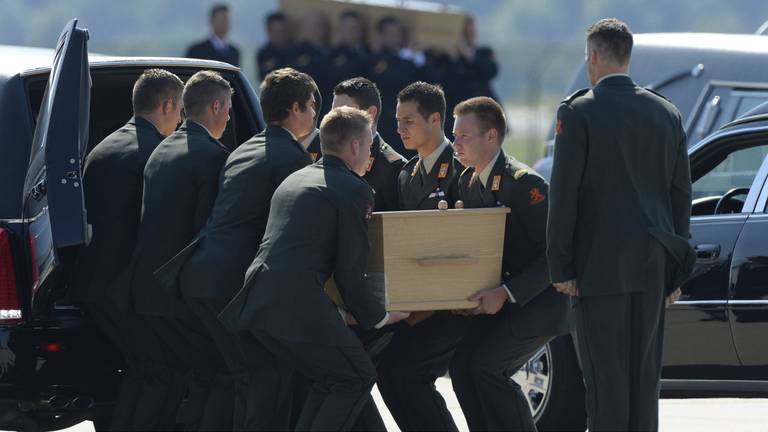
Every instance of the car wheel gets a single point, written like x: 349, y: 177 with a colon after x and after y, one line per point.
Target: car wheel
x: 552, y: 382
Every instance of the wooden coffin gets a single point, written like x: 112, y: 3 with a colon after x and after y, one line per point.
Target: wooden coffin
x: 434, y: 259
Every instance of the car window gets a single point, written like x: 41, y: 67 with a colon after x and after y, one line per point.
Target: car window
x: 737, y: 170
x: 748, y: 102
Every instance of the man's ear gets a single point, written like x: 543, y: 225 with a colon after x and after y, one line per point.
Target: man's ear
x: 216, y: 106
x: 355, y: 144
x: 295, y: 108
x: 434, y: 118
x: 492, y: 135
x: 592, y: 56
x: 373, y: 111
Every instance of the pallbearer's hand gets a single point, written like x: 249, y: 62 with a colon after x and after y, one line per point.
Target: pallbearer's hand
x: 674, y: 296
x: 397, y: 316
x: 349, y: 319
x: 491, y: 300
x: 567, y: 287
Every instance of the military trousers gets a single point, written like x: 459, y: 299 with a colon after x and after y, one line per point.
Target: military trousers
x: 481, y: 371
x: 374, y: 341
x: 210, y: 396
x: 619, y: 340
x: 260, y: 381
x: 150, y: 393
x: 341, y: 380
x: 410, y: 365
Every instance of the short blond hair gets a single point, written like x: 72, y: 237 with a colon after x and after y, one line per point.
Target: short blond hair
x: 342, y: 125
x: 202, y: 89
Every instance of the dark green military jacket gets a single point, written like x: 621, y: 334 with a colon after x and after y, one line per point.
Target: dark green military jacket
x: 112, y: 183
x: 382, y: 173
x: 539, y: 310
x: 318, y: 226
x: 620, y: 170
x: 419, y: 190
x: 213, y: 266
x: 180, y: 186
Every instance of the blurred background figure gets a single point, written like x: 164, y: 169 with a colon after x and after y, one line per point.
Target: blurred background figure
x: 391, y: 73
x: 474, y: 66
x: 349, y: 57
x: 468, y: 71
x: 278, y: 51
x: 312, y: 54
x: 216, y: 46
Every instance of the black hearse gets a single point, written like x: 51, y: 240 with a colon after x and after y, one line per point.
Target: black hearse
x: 55, y: 105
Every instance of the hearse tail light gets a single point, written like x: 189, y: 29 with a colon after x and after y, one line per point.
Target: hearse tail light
x: 9, y: 298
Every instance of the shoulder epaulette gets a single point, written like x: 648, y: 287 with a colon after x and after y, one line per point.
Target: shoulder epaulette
x: 658, y: 94
x: 576, y: 94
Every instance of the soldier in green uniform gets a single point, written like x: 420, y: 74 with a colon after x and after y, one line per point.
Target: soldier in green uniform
x: 420, y: 353
x: 381, y: 173
x: 385, y: 163
x: 518, y: 317
x: 319, y: 220
x: 180, y: 186
x: 114, y: 168
x: 620, y: 199
x: 212, y: 268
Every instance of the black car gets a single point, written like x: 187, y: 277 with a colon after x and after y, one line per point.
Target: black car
x: 712, y: 78
x: 55, y: 367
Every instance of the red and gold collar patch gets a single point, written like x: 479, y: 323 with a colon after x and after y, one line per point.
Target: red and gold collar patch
x: 443, y: 173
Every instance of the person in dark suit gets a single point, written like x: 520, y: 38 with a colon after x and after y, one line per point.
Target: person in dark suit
x: 419, y: 353
x: 470, y: 68
x: 381, y: 173
x: 521, y: 315
x: 216, y: 46
x: 349, y: 58
x: 620, y: 198
x: 391, y: 73
x: 180, y: 186
x: 385, y: 163
x: 319, y: 218
x: 312, y: 53
x: 209, y: 271
x: 278, y: 52
x: 114, y: 168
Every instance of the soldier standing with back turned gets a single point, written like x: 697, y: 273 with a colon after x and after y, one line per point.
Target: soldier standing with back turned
x: 617, y: 239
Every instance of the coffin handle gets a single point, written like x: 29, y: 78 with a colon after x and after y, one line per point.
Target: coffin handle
x: 451, y: 260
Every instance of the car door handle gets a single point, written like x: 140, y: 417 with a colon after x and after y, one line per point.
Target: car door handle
x: 707, y: 252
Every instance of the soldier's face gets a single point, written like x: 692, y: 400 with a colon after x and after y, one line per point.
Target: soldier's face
x: 220, y: 24
x: 414, y: 130
x: 351, y: 31
x: 306, y: 118
x: 278, y: 33
x: 470, y: 144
